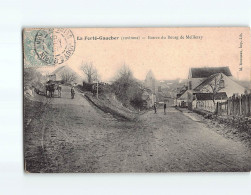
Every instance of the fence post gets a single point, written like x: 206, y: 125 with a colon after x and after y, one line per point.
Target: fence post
x: 244, y: 101
x: 247, y: 101
x: 233, y: 104
x: 217, y: 108
x: 249, y: 104
x: 227, y: 107
x: 240, y: 104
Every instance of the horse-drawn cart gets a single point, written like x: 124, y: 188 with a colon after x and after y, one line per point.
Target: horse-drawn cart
x: 51, y: 87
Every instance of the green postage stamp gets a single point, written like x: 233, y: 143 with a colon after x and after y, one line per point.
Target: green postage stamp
x: 47, y: 47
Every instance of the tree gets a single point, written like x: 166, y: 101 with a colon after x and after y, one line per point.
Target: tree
x: 125, y: 72
x: 90, y: 71
x: 215, y: 85
x: 68, y: 77
x: 123, y: 81
x: 127, y: 88
x: 31, y: 76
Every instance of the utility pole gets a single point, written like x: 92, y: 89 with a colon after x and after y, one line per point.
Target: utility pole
x: 97, y: 89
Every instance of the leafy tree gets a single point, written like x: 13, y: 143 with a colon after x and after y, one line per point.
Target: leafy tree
x: 127, y: 88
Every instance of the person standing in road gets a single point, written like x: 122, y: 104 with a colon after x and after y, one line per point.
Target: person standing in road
x: 155, y: 108
x: 72, y: 92
x: 165, y: 108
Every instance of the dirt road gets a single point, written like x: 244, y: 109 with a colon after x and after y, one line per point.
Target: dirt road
x: 70, y: 135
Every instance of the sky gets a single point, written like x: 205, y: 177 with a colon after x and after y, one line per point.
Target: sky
x: 168, y: 58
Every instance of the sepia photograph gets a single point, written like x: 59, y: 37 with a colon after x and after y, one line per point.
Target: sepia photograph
x: 136, y: 100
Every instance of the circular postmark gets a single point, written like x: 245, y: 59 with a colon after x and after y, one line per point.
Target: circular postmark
x: 54, y: 46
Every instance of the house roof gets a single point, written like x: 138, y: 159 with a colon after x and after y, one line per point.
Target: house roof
x: 207, y: 81
x: 209, y: 96
x: 181, y: 93
x: 208, y: 71
x: 183, y: 96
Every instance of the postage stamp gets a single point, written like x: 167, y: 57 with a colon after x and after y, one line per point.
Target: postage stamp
x: 47, y: 47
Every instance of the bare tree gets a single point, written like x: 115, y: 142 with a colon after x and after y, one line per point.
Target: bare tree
x: 68, y: 77
x: 90, y: 71
x: 125, y: 72
x: 216, y: 84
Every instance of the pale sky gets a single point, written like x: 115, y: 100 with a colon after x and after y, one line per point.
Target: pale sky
x: 167, y: 58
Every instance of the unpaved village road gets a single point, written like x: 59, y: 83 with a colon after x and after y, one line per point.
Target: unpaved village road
x: 70, y: 135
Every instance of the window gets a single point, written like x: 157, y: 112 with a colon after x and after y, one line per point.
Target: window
x: 222, y: 84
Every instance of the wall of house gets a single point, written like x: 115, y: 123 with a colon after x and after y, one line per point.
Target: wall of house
x: 231, y: 87
x: 181, y: 103
x: 207, y: 105
x: 149, y: 99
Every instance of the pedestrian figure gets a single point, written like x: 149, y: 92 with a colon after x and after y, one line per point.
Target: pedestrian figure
x: 155, y: 107
x: 72, y: 92
x: 59, y: 90
x: 164, y: 108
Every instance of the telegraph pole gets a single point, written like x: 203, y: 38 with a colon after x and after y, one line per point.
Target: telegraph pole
x: 97, y: 89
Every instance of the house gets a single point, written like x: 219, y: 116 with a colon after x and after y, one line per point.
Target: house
x: 52, y: 77
x: 209, y: 80
x: 160, y: 89
x: 165, y: 96
x: 181, y: 99
x: 203, y: 78
x: 148, y: 98
x: 197, y: 75
x: 180, y: 92
x: 66, y: 73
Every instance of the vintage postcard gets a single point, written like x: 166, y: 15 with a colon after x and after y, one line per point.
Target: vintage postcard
x: 119, y: 100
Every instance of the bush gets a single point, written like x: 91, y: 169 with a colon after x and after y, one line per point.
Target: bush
x: 128, y: 90
x: 87, y: 86
x: 34, y: 80
x: 32, y: 77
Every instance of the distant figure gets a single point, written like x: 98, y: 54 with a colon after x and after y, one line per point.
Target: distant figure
x: 72, y: 92
x: 155, y: 108
x: 164, y: 108
x: 59, y: 90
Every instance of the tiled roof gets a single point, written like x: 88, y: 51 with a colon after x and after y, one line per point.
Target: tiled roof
x: 208, y: 71
x: 206, y: 82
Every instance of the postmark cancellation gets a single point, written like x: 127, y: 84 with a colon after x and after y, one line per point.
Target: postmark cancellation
x: 47, y: 46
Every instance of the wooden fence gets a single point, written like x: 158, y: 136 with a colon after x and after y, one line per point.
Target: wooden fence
x: 235, y: 106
